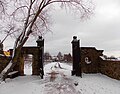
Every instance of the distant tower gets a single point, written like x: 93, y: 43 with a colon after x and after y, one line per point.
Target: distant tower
x: 76, y: 57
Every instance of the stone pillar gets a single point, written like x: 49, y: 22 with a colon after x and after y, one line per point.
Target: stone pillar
x: 35, y: 64
x: 40, y: 44
x: 76, y: 57
x: 20, y: 65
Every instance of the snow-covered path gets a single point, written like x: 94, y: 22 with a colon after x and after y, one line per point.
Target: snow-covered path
x: 58, y: 80
x: 60, y: 83
x: 63, y: 86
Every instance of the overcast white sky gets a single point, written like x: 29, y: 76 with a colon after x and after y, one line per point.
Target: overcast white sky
x: 102, y: 30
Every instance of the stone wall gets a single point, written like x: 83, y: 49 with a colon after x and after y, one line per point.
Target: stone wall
x: 110, y: 68
x: 89, y: 59
x: 35, y: 51
x: 3, y: 62
x: 92, y: 63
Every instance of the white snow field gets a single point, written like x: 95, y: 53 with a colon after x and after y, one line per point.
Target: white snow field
x: 58, y: 80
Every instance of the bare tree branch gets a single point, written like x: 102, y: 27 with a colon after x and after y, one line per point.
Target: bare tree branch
x: 2, y: 7
x: 34, y: 20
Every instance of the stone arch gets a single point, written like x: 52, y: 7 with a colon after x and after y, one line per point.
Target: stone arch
x: 37, y: 61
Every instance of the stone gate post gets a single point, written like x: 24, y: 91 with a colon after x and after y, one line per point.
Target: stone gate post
x: 76, y: 57
x: 40, y: 44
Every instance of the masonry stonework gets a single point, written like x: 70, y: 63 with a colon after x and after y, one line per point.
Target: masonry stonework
x: 37, y: 60
x: 89, y: 59
x: 3, y: 62
x: 92, y: 63
x: 110, y: 68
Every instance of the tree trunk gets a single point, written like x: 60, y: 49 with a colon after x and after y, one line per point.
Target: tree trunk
x: 11, y: 64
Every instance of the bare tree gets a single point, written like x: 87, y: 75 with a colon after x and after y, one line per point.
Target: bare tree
x: 47, y: 56
x: 32, y: 17
x: 60, y: 56
x: 2, y: 6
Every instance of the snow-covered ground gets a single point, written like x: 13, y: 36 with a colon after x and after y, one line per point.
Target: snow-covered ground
x: 58, y: 80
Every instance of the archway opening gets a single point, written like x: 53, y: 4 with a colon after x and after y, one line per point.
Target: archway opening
x: 28, y: 58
